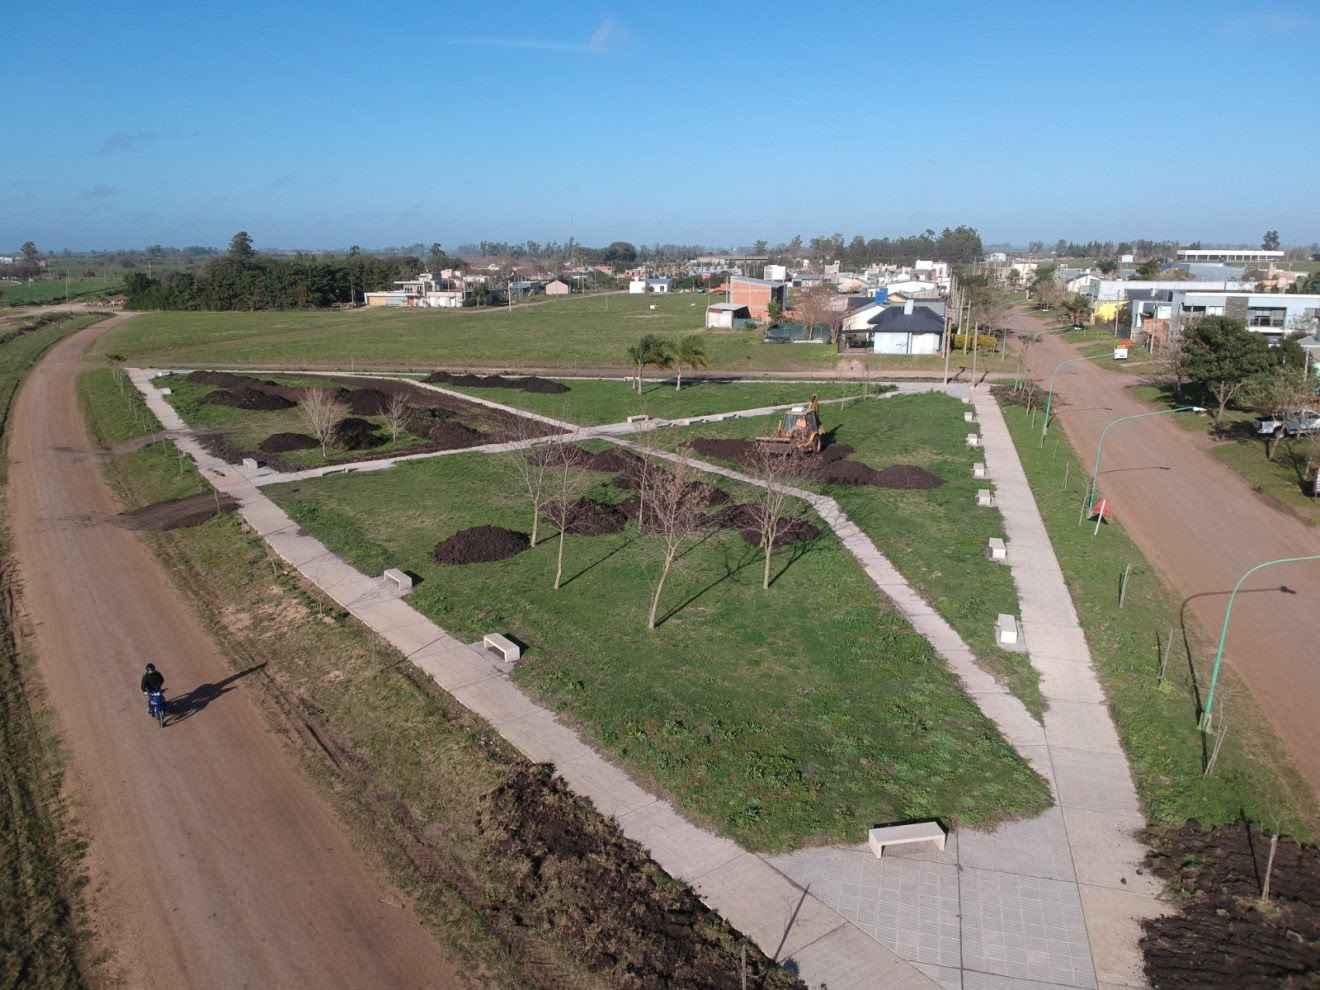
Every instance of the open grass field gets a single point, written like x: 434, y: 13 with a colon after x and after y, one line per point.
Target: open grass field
x: 797, y: 715
x: 578, y: 333
x: 49, y: 290
x: 1157, y: 719
x: 595, y: 402
x: 935, y: 538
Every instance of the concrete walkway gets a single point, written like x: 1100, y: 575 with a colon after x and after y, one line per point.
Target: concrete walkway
x: 1049, y: 903
x: 788, y: 922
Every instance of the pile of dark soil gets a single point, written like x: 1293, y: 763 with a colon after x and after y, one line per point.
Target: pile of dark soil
x: 1223, y: 935
x: 787, y: 532
x: 220, y: 445
x: 707, y: 495
x: 612, y: 459
x: 831, y: 466
x: 592, y: 518
x: 531, y: 383
x: 225, y: 380
x: 908, y: 477
x: 480, y: 545
x: 368, y: 402
x: 279, y: 443
x: 452, y: 436
x: 177, y: 513
x: 569, y: 870
x: 353, y: 433
x: 247, y: 398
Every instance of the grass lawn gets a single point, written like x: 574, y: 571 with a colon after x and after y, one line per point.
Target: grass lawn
x: 797, y: 715
x: 578, y: 332
x: 50, y: 290
x: 935, y: 538
x: 596, y: 402
x: 1157, y: 721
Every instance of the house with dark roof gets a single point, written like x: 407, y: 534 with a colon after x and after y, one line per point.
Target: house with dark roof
x: 907, y: 329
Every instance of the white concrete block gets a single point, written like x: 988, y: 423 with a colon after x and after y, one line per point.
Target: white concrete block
x: 997, y: 549
x: 979, y: 471
x: 1006, y: 628
x: 973, y: 440
x: 984, y: 498
x: 969, y: 417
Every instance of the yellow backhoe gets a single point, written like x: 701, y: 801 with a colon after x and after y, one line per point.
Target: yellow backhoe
x: 799, y: 432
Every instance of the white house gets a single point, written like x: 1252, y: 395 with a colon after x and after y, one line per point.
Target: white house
x: 721, y: 316
x: 909, y: 329
x: 637, y: 286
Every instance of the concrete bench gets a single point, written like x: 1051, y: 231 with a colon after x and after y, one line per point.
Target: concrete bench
x: 167, y: 391
x: 979, y: 471
x: 399, y: 578
x: 251, y: 463
x: 997, y: 549
x: 900, y: 835
x: 639, y: 418
x: 973, y: 440
x: 1006, y: 630
x: 969, y: 417
x: 984, y: 498
x: 502, y: 645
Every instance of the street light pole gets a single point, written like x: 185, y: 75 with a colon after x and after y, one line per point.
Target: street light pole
x: 1049, y: 399
x: 1204, y: 723
x: 1100, y: 446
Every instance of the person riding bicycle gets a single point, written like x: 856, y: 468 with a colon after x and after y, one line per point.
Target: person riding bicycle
x: 153, y: 682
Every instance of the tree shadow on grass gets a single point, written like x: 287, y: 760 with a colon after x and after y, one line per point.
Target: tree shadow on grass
x: 627, y: 542
x: 733, y: 563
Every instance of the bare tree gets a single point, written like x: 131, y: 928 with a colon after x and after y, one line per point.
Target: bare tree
x: 321, y: 409
x: 771, y: 470
x: 397, y: 414
x: 815, y: 307
x: 677, y: 507
x: 531, y: 466
x: 566, y: 480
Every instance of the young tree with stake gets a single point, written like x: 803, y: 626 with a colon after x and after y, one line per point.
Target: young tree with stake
x: 677, y: 509
x: 771, y: 470
x: 567, y: 479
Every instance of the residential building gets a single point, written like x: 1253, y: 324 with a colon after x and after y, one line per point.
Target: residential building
x: 757, y: 294
x: 558, y: 287
x: 727, y: 316
x: 1162, y: 314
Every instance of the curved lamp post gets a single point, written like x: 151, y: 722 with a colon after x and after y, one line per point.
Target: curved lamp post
x: 1049, y: 399
x: 1204, y: 724
x: 1090, y: 500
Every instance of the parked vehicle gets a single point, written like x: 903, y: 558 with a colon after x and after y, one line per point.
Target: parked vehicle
x: 1288, y: 424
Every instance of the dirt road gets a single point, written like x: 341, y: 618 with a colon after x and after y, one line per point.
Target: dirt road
x: 213, y: 862
x: 1203, y: 527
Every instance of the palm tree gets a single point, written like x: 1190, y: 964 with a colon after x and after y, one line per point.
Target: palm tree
x: 637, y: 356
x: 650, y: 350
x: 692, y: 352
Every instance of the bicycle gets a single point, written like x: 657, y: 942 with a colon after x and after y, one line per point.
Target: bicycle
x: 156, y: 706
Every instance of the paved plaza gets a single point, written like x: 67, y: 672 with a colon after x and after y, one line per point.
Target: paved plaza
x: 1051, y: 902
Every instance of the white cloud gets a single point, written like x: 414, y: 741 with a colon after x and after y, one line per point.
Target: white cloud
x: 608, y: 37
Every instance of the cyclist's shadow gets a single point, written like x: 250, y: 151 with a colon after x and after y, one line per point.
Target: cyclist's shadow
x: 184, y: 706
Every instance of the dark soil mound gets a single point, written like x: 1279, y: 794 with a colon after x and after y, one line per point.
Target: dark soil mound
x: 479, y: 545
x: 737, y: 516
x: 352, y: 433
x: 1223, y: 936
x: 908, y: 477
x: 529, y: 384
x: 831, y: 466
x: 591, y: 518
x: 787, y: 531
x: 221, y: 446
x: 613, y: 459
x: 225, y: 380
x: 453, y: 436
x: 368, y: 402
x: 542, y: 386
x: 571, y: 872
x: 279, y: 443
x: 706, y: 495
x: 176, y: 514
x: 247, y: 398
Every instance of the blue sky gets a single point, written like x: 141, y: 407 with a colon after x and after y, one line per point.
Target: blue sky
x: 321, y: 125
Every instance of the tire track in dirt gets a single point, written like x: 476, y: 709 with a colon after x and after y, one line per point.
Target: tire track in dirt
x: 213, y: 862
